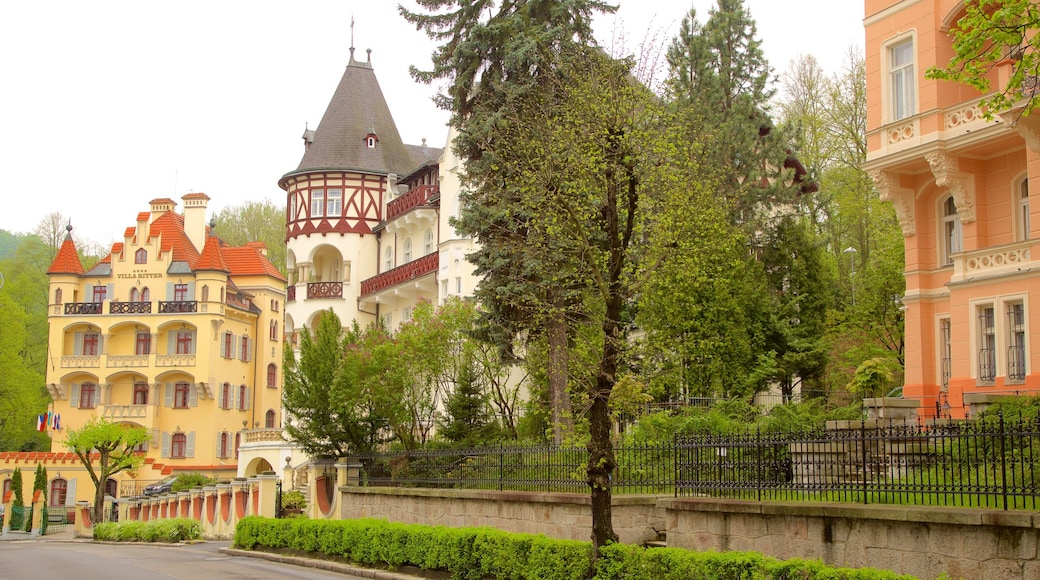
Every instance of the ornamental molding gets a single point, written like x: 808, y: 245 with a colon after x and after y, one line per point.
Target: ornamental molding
x: 1013, y: 120
x: 946, y: 170
x: 901, y: 198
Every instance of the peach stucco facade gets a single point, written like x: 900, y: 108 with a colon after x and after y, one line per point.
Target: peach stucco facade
x: 960, y: 184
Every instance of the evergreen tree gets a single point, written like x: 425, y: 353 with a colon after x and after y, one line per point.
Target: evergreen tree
x: 17, y: 502
x: 467, y: 421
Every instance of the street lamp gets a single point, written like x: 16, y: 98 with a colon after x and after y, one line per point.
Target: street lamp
x: 852, y: 277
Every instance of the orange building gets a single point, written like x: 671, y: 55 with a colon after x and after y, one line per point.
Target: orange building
x: 960, y: 186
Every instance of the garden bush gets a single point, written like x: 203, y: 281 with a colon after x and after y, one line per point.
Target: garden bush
x: 483, y: 553
x: 168, y: 531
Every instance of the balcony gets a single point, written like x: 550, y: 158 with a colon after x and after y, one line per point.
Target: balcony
x: 130, y: 308
x: 178, y: 306
x: 126, y: 361
x: 415, y: 197
x: 263, y: 436
x: 127, y: 412
x: 405, y: 273
x: 81, y: 362
x: 174, y: 360
x: 324, y: 290
x: 992, y: 262
x: 290, y: 293
x: 83, y: 307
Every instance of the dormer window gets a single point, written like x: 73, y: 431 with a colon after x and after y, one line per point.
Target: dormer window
x: 370, y: 140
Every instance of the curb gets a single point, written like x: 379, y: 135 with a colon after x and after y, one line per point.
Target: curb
x: 337, y: 567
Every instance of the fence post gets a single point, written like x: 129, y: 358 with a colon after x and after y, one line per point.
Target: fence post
x: 1003, y: 460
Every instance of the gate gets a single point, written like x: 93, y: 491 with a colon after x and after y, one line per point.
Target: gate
x: 57, y: 519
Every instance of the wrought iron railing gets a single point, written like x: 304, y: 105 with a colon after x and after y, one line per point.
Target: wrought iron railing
x: 129, y: 307
x: 178, y: 306
x: 324, y: 290
x: 992, y: 462
x: 83, y: 307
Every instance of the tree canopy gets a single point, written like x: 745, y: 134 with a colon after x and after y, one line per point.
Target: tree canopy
x: 105, y: 449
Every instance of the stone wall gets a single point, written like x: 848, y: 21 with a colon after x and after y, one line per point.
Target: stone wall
x: 966, y: 543
x: 969, y: 544
x: 637, y: 519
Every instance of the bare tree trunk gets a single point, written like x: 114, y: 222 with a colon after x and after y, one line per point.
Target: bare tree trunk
x: 559, y: 399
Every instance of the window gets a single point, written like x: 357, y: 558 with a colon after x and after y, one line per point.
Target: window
x: 272, y: 376
x: 205, y: 293
x: 90, y: 343
x: 99, y: 293
x: 243, y: 397
x: 946, y: 353
x: 146, y: 296
x: 140, y: 393
x: 272, y: 332
x: 227, y: 349
x: 387, y: 320
x: 444, y: 289
x: 6, y: 488
x: 185, y: 342
x: 141, y: 256
x: 238, y: 440
x: 59, y: 489
x: 458, y: 286
x: 951, y: 232
x: 225, y: 396
x: 901, y: 79
x: 1022, y: 210
x: 179, y: 446
x: 244, y: 354
x: 87, y: 396
x: 317, y: 202
x: 334, y: 203
x: 135, y: 296
x: 269, y: 419
x: 987, y: 344
x: 388, y: 259
x: 407, y: 250
x: 371, y: 141
x: 428, y: 242
x: 143, y: 343
x: 224, y: 445
x: 406, y: 314
x: 1016, y: 339
x: 181, y: 395
x: 180, y: 292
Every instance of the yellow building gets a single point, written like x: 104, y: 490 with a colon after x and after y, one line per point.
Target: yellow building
x: 174, y: 331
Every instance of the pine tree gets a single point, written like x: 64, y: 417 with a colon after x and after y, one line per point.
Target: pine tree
x: 17, y: 503
x: 466, y: 421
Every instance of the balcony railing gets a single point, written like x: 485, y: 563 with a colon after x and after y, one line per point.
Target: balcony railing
x: 325, y: 290
x: 127, y: 360
x: 83, y: 307
x: 129, y: 307
x: 174, y: 360
x: 263, y: 435
x: 178, y: 306
x: 125, y: 411
x: 81, y: 362
x: 415, y: 197
x: 401, y: 274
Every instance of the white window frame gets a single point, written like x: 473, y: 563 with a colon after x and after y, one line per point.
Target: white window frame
x: 317, y: 203
x: 901, y: 78
x: 944, y: 350
x: 388, y: 259
x: 1012, y: 335
x: 428, y: 242
x: 407, y: 250
x: 951, y: 232
x: 334, y: 202
x: 1020, y: 201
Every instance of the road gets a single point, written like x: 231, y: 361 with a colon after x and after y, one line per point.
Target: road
x: 88, y: 561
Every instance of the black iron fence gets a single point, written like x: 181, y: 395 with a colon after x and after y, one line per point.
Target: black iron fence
x: 986, y: 463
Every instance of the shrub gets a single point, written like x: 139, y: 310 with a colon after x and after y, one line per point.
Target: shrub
x: 294, y: 500
x: 187, y: 481
x: 168, y: 531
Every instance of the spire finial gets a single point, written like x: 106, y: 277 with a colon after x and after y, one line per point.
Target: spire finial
x: 352, y: 32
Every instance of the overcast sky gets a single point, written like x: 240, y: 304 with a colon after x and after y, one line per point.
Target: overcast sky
x: 107, y: 105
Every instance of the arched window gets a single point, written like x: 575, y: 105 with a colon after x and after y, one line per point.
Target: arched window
x: 141, y: 256
x: 238, y: 440
x: 269, y: 419
x: 59, y: 487
x: 146, y: 296
x: 428, y: 242
x: 951, y: 232
x: 57, y: 296
x: 388, y: 259
x: 407, y: 250
x: 272, y: 376
x: 225, y: 396
x: 178, y: 445
x: 224, y: 448
x: 243, y: 397
x: 205, y: 293
x: 1022, y: 210
x: 135, y: 296
x: 6, y: 488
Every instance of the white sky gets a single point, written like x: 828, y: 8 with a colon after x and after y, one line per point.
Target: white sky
x: 107, y: 105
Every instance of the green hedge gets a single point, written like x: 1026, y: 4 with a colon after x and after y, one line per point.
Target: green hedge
x: 170, y: 531
x: 479, y: 553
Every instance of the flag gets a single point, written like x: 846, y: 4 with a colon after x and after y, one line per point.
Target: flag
x: 40, y: 424
x: 57, y: 422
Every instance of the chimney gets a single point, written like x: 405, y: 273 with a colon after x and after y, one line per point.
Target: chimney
x: 161, y: 206
x: 195, y: 218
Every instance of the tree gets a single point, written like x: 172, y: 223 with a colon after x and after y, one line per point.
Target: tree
x: 995, y: 33
x: 17, y: 500
x: 720, y: 80
x: 330, y: 415
x: 40, y: 484
x: 255, y: 221
x: 106, y: 449
x: 22, y: 394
